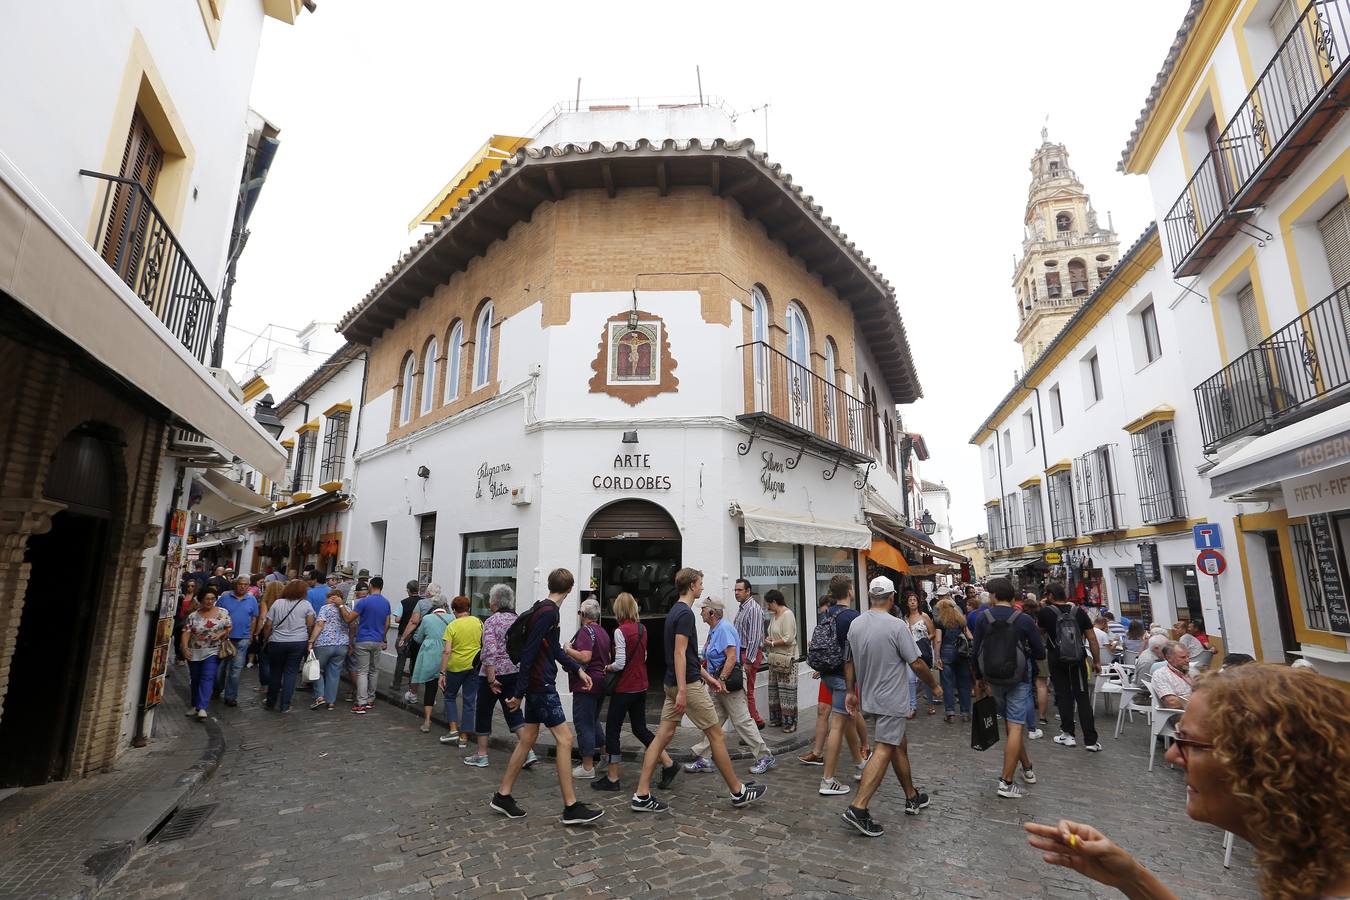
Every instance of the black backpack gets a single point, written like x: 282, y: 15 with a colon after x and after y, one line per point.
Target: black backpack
x: 1068, y: 635
x: 826, y: 654
x: 1002, y: 660
x: 519, y: 632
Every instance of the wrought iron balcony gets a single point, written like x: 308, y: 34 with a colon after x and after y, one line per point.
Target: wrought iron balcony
x: 1298, y: 97
x: 787, y: 398
x: 1303, y: 362
x: 139, y: 246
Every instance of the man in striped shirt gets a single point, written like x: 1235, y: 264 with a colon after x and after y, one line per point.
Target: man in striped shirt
x: 750, y: 626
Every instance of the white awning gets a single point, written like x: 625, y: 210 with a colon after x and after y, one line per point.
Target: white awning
x: 49, y: 268
x: 223, y: 499
x: 784, y: 528
x: 1303, y: 448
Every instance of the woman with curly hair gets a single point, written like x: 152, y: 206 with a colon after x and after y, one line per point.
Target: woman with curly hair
x: 1265, y: 754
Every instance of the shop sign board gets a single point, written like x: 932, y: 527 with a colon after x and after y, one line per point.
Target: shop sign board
x: 632, y: 472
x: 491, y: 563
x: 771, y: 475
x: 1148, y: 553
x: 1320, y: 492
x: 1052, y: 557
x: 489, y: 472
x: 769, y: 570
x: 1329, y: 573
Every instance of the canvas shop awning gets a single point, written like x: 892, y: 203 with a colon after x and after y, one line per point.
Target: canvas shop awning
x: 785, y: 528
x: 1303, y: 448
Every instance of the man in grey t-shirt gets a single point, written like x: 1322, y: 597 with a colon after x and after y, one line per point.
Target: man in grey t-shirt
x: 878, y: 649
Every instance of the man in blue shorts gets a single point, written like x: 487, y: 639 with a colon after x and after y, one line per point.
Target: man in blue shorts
x: 1006, y: 642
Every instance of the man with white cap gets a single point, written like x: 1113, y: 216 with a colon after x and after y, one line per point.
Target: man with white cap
x: 879, y: 647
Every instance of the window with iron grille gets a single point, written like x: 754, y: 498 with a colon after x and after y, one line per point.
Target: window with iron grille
x: 1157, y: 467
x: 890, y: 445
x: 1031, y: 514
x: 1095, y: 487
x: 995, y: 522
x: 1012, y: 522
x: 303, y: 479
x: 1310, y: 586
x: 1062, y: 524
x: 334, y: 448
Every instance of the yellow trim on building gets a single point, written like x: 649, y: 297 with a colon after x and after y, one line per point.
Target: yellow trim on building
x: 994, y: 502
x: 1245, y: 264
x: 300, y: 496
x: 289, y: 442
x: 484, y: 161
x: 1337, y: 171
x: 1206, y: 32
x: 1247, y: 588
x: 1208, y: 87
x: 1160, y: 413
x: 212, y: 12
x: 253, y: 387
x: 283, y: 10
x: 1030, y: 482
x: 308, y: 426
x: 344, y: 406
x: 1109, y: 537
x: 1278, y: 520
x: 329, y: 486
x: 1062, y: 466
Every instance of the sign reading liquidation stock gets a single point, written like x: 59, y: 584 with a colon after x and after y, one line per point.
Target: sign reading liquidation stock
x: 641, y: 463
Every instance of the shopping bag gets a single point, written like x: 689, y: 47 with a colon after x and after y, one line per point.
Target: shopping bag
x: 311, y: 667
x: 983, y: 724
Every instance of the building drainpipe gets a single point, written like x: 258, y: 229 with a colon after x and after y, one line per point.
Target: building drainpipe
x: 998, y: 456
x: 356, y: 426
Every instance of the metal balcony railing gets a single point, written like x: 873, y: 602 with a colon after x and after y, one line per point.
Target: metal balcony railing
x: 139, y: 246
x: 1305, y: 361
x: 1298, y: 96
x: 791, y: 393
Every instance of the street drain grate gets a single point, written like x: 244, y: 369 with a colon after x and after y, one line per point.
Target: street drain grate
x: 183, y: 823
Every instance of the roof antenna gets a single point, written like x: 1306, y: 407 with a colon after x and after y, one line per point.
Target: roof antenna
x: 699, y: 76
x: 577, y: 107
x: 1045, y: 130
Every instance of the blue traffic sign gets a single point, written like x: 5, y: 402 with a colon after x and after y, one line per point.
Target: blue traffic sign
x: 1207, y: 537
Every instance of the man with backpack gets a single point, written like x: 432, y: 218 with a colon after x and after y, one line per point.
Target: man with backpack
x: 1067, y: 625
x: 1006, y: 641
x: 534, y: 642
x: 826, y: 653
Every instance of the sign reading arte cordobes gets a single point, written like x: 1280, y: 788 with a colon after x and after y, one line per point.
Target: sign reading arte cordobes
x: 489, y: 474
x: 771, y: 475
x: 641, y: 478
x: 1329, y: 573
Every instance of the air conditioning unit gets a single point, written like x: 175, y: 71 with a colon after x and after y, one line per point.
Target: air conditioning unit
x: 520, y: 496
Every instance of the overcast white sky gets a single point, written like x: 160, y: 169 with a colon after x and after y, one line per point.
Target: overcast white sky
x: 912, y: 124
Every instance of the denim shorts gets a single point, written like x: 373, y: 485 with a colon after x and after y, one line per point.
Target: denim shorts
x: 1013, y: 701
x: 838, y: 691
x: 544, y: 708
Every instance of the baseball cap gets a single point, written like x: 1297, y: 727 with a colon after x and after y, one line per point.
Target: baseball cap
x: 944, y: 591
x: 880, y: 586
x: 715, y: 605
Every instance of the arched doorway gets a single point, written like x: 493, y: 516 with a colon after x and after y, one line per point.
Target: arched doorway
x: 635, y: 548
x: 65, y: 590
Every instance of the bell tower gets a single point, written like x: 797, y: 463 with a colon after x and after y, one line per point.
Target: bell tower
x: 1065, y: 253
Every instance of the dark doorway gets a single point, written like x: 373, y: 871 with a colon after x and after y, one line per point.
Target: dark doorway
x: 50, y: 665
x: 1288, y: 638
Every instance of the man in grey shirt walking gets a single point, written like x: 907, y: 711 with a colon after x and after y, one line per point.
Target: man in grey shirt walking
x: 879, y: 648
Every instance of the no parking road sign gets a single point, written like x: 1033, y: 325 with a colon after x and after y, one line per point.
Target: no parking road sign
x: 1211, y: 562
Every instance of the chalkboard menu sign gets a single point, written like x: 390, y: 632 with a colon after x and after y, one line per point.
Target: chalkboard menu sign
x: 1329, y: 573
x: 1141, y: 594
x: 1148, y: 552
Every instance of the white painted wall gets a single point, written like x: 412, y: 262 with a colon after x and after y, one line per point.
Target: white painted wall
x: 631, y: 125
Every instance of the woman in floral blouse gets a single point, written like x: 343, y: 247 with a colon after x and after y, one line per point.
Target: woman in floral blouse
x: 206, y: 628
x: 329, y: 639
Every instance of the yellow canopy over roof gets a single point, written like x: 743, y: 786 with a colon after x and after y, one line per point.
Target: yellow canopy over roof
x: 486, y: 160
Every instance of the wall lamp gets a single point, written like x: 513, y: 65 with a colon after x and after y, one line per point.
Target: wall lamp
x: 630, y: 437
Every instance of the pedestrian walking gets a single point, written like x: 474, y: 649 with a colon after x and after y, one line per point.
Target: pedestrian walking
x: 878, y: 648
x: 780, y: 650
x: 722, y: 658
x: 955, y: 646
x: 242, y: 608
x: 1067, y: 625
x: 271, y: 594
x: 921, y: 627
x: 629, y: 697
x: 539, y: 660
x: 590, y: 647
x: 750, y: 626
x: 497, y: 679
x: 330, y: 638
x: 372, y: 612
x: 405, y: 649
x: 1040, y: 682
x: 427, y: 670
x: 687, y: 687
x: 412, y: 627
x: 317, y: 592
x: 286, y: 630
x: 463, y: 642
x: 219, y: 583
x: 855, y: 729
x: 205, y: 632
x: 1007, y: 644
x: 829, y: 643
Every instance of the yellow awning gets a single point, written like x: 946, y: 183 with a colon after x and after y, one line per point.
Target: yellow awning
x: 486, y: 160
x: 888, y: 556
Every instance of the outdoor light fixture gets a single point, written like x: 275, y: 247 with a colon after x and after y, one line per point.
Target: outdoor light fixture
x: 927, y: 524
x: 979, y: 542
x: 423, y: 472
x: 630, y: 437
x: 633, y: 314
x: 265, y: 415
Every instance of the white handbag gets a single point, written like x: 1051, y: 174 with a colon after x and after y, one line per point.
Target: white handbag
x: 311, y: 670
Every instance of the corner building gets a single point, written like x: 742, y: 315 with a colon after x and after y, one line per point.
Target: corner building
x: 624, y: 359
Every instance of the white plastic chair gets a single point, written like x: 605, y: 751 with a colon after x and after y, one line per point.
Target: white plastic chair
x: 1111, y: 682
x: 1128, y: 705
x: 1160, y: 723
x: 1202, y: 661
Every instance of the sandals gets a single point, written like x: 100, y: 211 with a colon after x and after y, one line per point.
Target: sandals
x: 932, y: 710
x: 318, y: 704
x: 425, y: 728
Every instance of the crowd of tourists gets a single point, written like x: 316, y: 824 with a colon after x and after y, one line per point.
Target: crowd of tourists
x: 878, y: 667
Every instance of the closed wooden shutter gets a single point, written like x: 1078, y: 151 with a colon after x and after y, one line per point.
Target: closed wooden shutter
x: 1335, y: 229
x: 1298, y: 63
x: 1251, y: 322
x: 632, y: 519
x: 128, y: 215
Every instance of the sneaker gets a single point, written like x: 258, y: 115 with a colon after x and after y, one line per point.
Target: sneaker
x: 700, y: 765
x: 1093, y: 748
x: 410, y: 698
x: 459, y: 741
x: 201, y: 714
x: 750, y: 792
x: 529, y: 760
x: 858, y: 770
x: 1065, y: 740
x: 1035, y: 734
x: 647, y: 804
x: 833, y: 786
x: 668, y: 774
x: 477, y: 761
x: 448, y: 739
x: 507, y: 806
x: 1029, y: 776
x: 191, y: 713
x: 762, y: 765
x: 360, y: 710
x: 861, y: 819
x: 583, y: 773
x: 1009, y: 791
x: 606, y: 784
x: 581, y: 813
x: 917, y: 802
x: 811, y: 759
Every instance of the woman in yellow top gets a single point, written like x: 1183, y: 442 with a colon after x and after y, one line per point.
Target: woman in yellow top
x: 459, y: 662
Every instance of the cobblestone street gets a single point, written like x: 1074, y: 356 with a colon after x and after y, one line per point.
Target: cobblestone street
x: 367, y: 806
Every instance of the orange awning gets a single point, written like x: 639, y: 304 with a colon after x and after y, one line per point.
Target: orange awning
x: 888, y: 556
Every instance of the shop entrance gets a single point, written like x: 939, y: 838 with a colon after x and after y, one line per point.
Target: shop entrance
x: 66, y: 583
x: 634, y: 546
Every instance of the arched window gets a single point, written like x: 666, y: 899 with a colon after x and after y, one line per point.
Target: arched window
x: 759, y: 333
x: 452, y: 362
x: 429, y: 377
x: 798, y: 338
x: 1078, y: 277
x: 801, y: 386
x: 1063, y: 223
x: 406, y: 391
x: 482, y: 359
x: 831, y: 363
